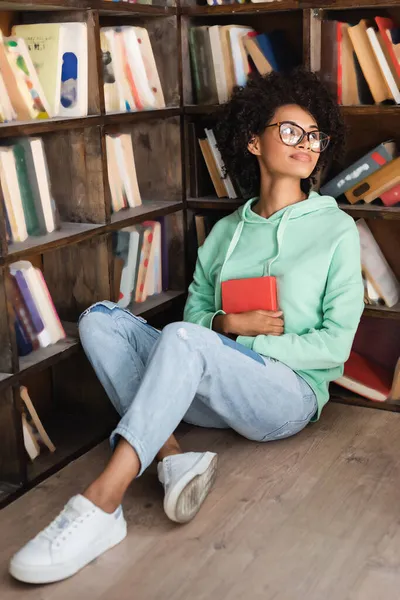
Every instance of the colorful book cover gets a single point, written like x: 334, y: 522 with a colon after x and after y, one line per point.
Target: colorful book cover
x: 43, y: 40
x: 18, y: 55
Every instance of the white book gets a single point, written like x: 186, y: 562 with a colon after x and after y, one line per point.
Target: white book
x: 218, y: 62
x: 153, y: 273
x: 239, y: 55
x: 376, y: 267
x: 43, y: 180
x: 128, y: 276
x: 138, y: 70
x: 150, y: 65
x: 220, y: 163
x: 126, y: 101
x: 31, y: 446
x: 12, y: 195
x: 383, y: 64
x: 73, y: 54
x: 127, y: 169
x: 114, y: 179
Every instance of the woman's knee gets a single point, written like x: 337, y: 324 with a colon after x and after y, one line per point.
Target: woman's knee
x: 94, y: 324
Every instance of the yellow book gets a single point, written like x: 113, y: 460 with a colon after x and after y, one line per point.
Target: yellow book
x: 111, y: 97
x: 43, y: 42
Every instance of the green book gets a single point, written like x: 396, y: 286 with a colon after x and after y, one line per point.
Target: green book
x: 29, y: 190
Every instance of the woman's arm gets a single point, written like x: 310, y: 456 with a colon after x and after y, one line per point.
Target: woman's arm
x: 330, y: 345
x: 200, y: 306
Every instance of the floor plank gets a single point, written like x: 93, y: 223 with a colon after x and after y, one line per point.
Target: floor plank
x: 315, y: 516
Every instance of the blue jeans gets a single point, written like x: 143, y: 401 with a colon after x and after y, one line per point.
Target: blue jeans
x: 187, y: 372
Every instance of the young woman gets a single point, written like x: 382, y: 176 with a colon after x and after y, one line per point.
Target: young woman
x: 270, y: 382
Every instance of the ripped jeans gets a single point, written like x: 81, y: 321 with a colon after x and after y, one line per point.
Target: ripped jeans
x: 187, y: 372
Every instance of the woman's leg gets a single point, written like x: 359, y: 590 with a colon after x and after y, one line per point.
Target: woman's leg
x: 191, y: 368
x: 187, y: 364
x: 118, y: 345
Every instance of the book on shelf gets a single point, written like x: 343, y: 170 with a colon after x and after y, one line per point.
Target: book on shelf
x: 36, y: 320
x: 221, y: 180
x: 360, y: 62
x: 44, y: 72
x: 366, y: 378
x: 359, y: 170
x: 34, y: 433
x: 121, y: 169
x: 223, y: 56
x: 59, y: 52
x: 139, y: 261
x: 131, y: 78
x: 376, y: 268
x: 24, y: 177
x: 377, y: 185
x: 204, y: 225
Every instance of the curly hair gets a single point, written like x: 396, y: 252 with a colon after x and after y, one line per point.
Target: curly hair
x: 252, y: 107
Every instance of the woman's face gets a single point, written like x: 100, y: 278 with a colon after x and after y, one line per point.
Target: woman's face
x: 279, y: 159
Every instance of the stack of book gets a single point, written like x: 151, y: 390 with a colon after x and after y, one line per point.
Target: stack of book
x: 361, y: 63
x: 43, y: 72
x: 140, y: 262
x: 380, y: 283
x: 131, y: 80
x: 121, y: 171
x: 375, y: 175
x: 223, y: 56
x: 35, y: 435
x: 28, y: 203
x: 37, y: 324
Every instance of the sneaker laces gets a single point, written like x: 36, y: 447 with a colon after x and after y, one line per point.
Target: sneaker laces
x: 63, y: 525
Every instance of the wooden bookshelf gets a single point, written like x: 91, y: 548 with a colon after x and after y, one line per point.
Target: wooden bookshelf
x: 76, y: 260
x: 368, y: 126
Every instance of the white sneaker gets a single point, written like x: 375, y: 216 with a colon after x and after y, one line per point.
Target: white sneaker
x: 79, y: 534
x: 187, y: 478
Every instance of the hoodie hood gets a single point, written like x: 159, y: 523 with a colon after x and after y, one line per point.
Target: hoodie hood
x: 312, y: 204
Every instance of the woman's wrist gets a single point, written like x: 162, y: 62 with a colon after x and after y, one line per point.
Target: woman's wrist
x: 223, y: 324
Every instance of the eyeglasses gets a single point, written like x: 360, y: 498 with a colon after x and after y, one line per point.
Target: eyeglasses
x: 292, y: 134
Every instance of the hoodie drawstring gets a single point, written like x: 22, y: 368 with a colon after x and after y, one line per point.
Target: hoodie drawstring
x: 279, y: 238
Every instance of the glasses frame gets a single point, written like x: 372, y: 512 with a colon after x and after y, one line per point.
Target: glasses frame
x: 304, y: 134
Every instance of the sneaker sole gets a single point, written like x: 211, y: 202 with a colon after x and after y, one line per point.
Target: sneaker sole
x: 184, y: 500
x: 50, y: 574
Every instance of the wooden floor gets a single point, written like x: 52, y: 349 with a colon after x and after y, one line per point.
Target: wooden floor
x: 316, y: 517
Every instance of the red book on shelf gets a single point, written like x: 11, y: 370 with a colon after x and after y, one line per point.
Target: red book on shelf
x: 392, y: 196
x: 243, y: 295
x: 366, y: 378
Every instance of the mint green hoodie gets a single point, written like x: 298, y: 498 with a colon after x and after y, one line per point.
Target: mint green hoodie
x: 313, y: 249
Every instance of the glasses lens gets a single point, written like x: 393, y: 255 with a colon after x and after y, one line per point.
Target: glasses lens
x: 318, y: 141
x: 290, y: 134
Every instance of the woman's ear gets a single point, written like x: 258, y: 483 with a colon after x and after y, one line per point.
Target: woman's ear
x: 254, y: 145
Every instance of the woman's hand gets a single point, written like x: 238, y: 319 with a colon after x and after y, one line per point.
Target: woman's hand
x: 256, y: 322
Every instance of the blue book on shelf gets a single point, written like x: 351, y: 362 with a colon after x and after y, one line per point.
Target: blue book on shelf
x: 23, y: 343
x: 276, y: 49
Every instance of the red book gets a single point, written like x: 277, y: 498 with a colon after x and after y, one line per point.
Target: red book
x: 366, y: 378
x: 392, y: 196
x: 243, y: 295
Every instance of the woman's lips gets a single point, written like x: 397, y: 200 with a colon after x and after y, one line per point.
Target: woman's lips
x: 301, y: 157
